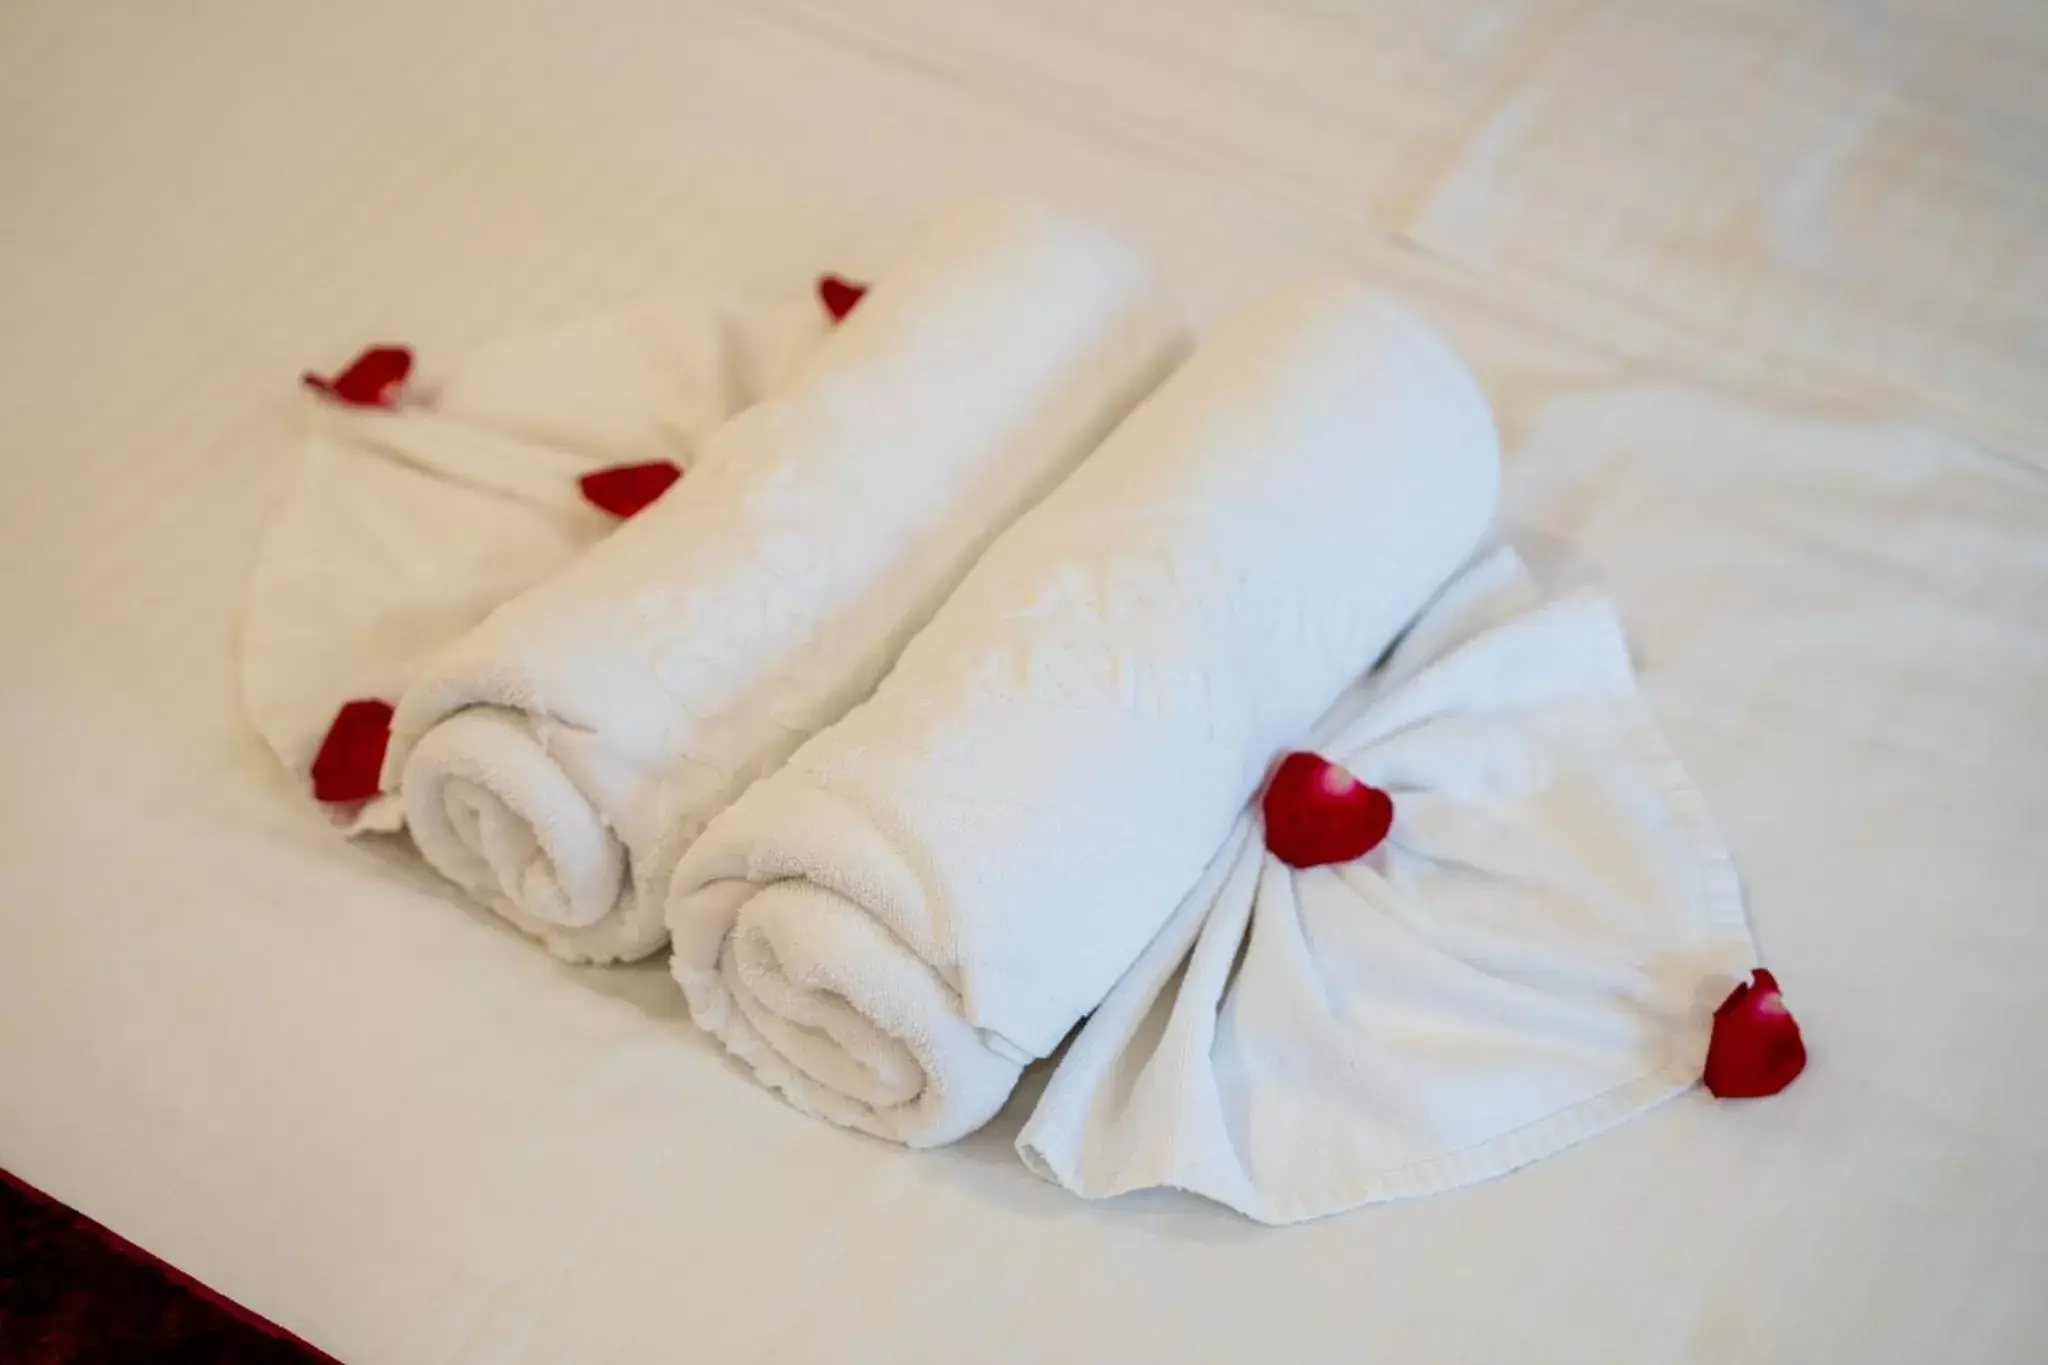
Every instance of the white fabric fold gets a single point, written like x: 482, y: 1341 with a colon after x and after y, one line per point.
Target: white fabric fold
x: 405, y: 528
x: 1531, y: 957
x: 937, y: 888
x: 557, y: 759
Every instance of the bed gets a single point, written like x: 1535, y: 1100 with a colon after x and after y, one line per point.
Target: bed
x: 1758, y: 291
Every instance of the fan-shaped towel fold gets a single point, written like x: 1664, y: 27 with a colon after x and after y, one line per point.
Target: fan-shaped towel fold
x: 1531, y: 957
x: 405, y: 528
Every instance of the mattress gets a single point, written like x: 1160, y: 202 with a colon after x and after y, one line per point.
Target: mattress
x: 1806, y: 458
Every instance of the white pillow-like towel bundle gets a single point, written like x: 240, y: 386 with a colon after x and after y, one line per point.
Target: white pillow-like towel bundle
x: 937, y: 888
x: 557, y: 759
x: 1532, y: 956
x: 1052, y: 807
x: 405, y: 528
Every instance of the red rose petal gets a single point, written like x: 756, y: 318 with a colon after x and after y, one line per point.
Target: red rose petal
x: 350, y: 764
x: 624, y: 489
x: 1317, y: 813
x: 373, y: 379
x: 1756, y: 1048
x: 839, y: 295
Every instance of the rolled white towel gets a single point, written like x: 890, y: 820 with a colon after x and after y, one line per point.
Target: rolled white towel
x: 556, y: 760
x: 934, y: 890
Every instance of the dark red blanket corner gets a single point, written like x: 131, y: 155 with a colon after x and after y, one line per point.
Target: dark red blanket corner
x: 72, y: 1290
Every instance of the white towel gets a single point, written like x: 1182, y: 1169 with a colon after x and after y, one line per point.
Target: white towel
x: 404, y: 528
x: 557, y: 759
x: 937, y: 888
x: 1532, y: 956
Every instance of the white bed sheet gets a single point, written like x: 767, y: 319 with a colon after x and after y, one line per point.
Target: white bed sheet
x: 1855, y: 190
x: 309, y: 1078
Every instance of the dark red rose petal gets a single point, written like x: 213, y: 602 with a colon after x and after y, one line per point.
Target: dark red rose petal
x: 373, y: 379
x: 624, y: 489
x: 350, y: 763
x: 1317, y: 813
x: 1756, y: 1048
x: 839, y: 295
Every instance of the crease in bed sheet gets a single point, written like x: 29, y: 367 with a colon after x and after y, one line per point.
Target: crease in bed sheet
x: 1264, y: 93
x: 1854, y: 193
x: 1846, y: 198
